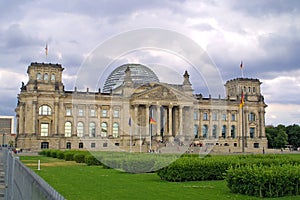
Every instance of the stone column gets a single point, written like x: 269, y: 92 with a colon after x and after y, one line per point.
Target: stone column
x: 21, y: 119
x: 170, y: 121
x: 99, y: 121
x: 147, y: 119
x: 200, y: 134
x: 158, y: 120
x: 56, y: 104
x: 246, y: 126
x: 110, y: 125
x: 262, y: 123
x: 180, y: 120
x: 87, y: 123
x: 135, y: 120
x: 34, y: 117
x: 210, y: 127
x: 228, y: 128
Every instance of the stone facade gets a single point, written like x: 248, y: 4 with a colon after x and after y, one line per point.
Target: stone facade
x: 157, y: 116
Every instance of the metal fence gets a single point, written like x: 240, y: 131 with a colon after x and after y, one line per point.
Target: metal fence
x: 22, y: 183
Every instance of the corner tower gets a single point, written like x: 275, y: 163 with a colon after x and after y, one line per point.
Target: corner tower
x: 249, y: 86
x: 44, y: 77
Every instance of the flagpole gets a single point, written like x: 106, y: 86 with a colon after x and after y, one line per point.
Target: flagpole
x: 150, y: 136
x: 242, y: 71
x: 140, y: 139
x: 243, y: 134
x: 130, y: 134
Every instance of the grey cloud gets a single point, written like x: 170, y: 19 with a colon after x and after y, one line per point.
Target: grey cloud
x: 14, y: 37
x: 203, y: 27
x: 259, y: 8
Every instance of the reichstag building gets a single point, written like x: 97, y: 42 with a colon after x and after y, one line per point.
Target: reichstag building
x: 136, y: 112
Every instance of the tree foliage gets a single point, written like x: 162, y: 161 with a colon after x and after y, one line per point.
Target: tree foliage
x: 280, y: 136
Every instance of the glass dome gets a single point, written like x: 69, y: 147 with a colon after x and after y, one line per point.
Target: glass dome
x: 140, y: 74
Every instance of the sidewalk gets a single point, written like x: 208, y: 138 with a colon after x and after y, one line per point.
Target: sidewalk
x: 2, y: 177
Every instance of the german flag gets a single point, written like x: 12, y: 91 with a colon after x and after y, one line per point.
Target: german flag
x: 242, y: 102
x: 152, y: 121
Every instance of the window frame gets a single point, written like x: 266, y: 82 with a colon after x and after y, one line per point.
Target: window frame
x: 42, y: 129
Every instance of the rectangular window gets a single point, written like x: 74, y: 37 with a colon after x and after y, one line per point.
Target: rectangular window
x: 116, y: 113
x: 80, y: 112
x: 45, y: 145
x: 253, y: 89
x: 93, y: 145
x: 68, y: 112
x: 252, y: 132
x: 195, y: 115
x: 44, y: 129
x: 92, y: 112
x: 224, y: 117
x: 232, y: 117
x: 104, y: 113
x: 205, y: 116
x: 215, y: 117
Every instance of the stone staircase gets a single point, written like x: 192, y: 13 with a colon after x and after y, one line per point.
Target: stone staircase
x: 2, y: 177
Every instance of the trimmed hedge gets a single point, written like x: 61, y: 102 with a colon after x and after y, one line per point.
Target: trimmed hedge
x: 265, y: 181
x: 91, y: 160
x: 79, y: 157
x: 194, y: 169
x: 215, y: 167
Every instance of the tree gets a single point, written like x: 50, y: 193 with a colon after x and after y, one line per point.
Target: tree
x: 277, y: 136
x: 293, y: 132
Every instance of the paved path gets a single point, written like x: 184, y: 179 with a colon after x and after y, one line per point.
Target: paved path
x: 2, y: 177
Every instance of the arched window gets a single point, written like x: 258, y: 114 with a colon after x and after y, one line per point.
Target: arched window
x: 103, y: 129
x: 39, y: 76
x: 80, y: 129
x: 44, y: 110
x: 52, y: 77
x: 205, y: 131
x: 224, y: 131
x: 68, y: 146
x: 68, y: 129
x: 92, y: 129
x: 214, y: 131
x: 251, y: 117
x: 232, y: 131
x: 46, y: 77
x: 115, y: 130
x: 196, y: 131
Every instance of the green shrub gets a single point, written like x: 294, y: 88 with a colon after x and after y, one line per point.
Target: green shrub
x: 69, y: 156
x: 194, y: 169
x: 43, y: 152
x: 91, y: 160
x: 48, y: 153
x: 60, y: 155
x: 214, y: 167
x: 54, y: 153
x: 265, y: 181
x: 79, y: 157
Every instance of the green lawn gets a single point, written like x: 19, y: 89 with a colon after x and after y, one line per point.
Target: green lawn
x: 78, y: 181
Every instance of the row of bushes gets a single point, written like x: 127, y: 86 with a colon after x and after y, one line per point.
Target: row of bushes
x: 77, y: 156
x: 263, y: 181
x: 128, y: 162
x: 214, y: 168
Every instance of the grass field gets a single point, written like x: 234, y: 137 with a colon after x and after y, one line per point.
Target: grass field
x: 78, y: 181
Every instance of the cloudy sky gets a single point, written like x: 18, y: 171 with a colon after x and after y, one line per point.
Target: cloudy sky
x: 264, y: 34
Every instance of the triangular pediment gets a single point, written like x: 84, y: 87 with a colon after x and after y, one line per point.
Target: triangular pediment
x: 158, y: 91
